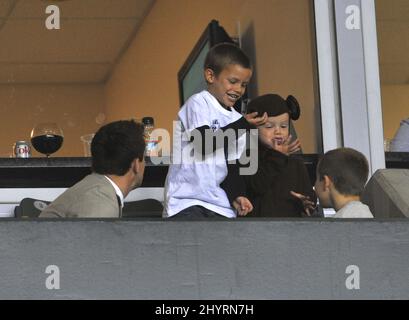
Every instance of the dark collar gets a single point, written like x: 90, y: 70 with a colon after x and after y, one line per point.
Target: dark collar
x: 272, y: 158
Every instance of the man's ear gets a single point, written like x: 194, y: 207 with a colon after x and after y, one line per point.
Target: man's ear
x: 327, y: 182
x: 136, y: 166
x: 209, y: 75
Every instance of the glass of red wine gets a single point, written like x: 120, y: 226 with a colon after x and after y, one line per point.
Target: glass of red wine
x: 47, y: 138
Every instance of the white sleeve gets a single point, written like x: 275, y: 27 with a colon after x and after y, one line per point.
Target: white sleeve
x: 194, y: 114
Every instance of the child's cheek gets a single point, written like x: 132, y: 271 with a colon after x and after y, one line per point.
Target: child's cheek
x: 265, y: 138
x: 286, y: 133
x: 267, y: 143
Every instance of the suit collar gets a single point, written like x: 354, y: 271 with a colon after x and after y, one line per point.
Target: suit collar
x: 117, y: 191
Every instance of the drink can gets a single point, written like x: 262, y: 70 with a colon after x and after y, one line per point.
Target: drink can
x: 22, y: 149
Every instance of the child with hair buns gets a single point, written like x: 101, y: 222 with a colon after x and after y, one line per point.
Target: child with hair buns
x: 281, y: 187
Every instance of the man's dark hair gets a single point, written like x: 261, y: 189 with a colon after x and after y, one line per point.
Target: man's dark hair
x: 224, y: 54
x: 347, y: 168
x: 116, y: 145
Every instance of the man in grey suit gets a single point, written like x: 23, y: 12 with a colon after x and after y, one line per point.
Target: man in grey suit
x: 118, y: 166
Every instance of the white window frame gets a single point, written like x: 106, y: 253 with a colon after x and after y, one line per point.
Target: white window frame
x: 330, y: 82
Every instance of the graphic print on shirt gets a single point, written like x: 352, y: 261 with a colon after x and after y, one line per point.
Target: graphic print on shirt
x: 215, y: 125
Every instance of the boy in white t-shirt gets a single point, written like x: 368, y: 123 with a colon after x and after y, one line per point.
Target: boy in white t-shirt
x: 207, y: 186
x: 341, y: 178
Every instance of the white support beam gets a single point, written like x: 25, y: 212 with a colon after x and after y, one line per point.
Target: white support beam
x: 373, y: 90
x: 328, y: 75
x: 348, y: 70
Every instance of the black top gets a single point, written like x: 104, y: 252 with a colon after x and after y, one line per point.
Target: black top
x: 269, y: 188
x: 60, y: 172
x: 233, y: 184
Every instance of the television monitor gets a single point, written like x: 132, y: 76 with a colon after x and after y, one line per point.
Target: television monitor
x: 190, y: 76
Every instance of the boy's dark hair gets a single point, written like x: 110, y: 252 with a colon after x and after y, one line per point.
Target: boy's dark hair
x: 347, y: 168
x: 223, y: 54
x: 116, y: 145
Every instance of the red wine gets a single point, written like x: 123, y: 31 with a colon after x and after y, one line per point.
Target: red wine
x: 47, y: 144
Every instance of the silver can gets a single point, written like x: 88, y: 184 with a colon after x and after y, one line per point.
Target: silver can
x: 22, y: 149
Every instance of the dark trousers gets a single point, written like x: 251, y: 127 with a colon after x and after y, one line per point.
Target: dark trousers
x: 197, y: 212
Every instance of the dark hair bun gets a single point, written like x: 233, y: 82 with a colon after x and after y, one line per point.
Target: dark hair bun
x: 293, y: 107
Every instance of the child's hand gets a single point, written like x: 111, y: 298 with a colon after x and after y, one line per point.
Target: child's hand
x: 293, y: 146
x: 286, y: 147
x: 254, y: 120
x: 308, y: 205
x: 242, y: 205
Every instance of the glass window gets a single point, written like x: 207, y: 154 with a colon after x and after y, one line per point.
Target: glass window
x: 107, y: 62
x: 83, y: 66
x: 393, y: 42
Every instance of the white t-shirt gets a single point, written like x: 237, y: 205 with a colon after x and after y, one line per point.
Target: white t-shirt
x: 192, y: 181
x: 354, y: 209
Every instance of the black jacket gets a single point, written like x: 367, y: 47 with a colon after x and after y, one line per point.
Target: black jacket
x: 269, y: 188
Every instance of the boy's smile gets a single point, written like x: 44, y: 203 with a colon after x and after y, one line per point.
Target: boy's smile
x: 229, y: 85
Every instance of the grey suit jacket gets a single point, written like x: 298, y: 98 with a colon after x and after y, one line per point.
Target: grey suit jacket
x: 92, y: 197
